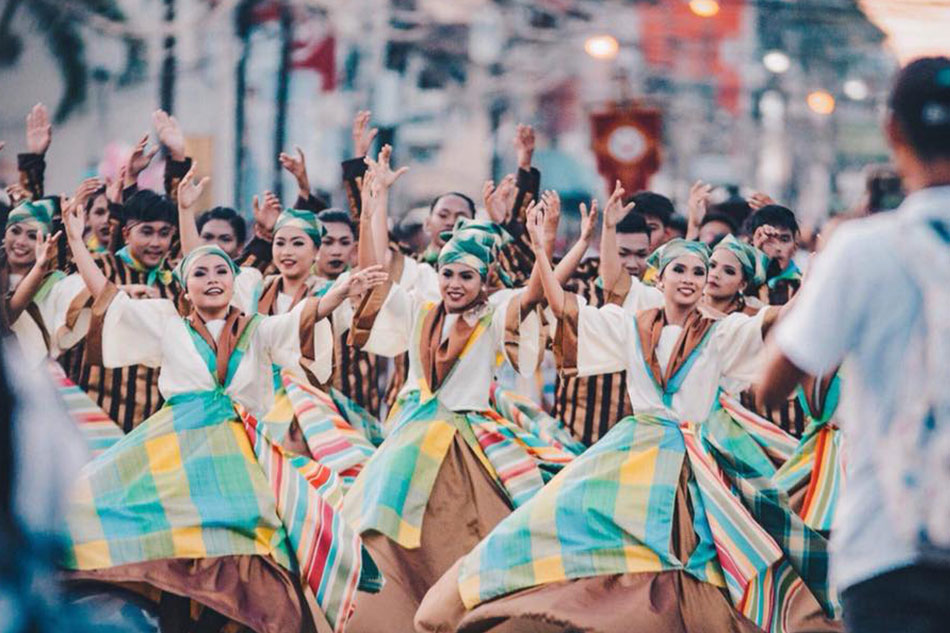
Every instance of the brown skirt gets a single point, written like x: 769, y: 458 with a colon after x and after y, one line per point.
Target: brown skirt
x: 647, y: 602
x: 464, y: 506
x: 227, y: 593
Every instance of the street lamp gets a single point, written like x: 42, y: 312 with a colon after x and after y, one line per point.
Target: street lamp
x: 704, y: 8
x: 602, y: 46
x: 776, y: 62
x: 856, y: 89
x: 821, y: 102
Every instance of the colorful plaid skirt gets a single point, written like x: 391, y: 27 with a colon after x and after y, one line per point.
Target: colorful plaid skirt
x: 611, y: 511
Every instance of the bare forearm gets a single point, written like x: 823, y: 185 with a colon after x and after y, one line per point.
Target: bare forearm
x: 365, y: 255
x: 94, y: 279
x: 24, y: 292
x: 188, y: 230
x: 780, y: 378
x: 380, y: 228
x: 566, y: 267
x: 610, y: 268
x: 553, y: 291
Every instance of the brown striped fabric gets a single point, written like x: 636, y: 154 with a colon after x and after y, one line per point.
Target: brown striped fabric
x: 589, y: 407
x: 128, y: 395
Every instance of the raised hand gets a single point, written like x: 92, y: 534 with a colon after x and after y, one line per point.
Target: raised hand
x: 758, y: 200
x: 615, y: 210
x: 39, y: 132
x: 140, y: 291
x: 363, y: 138
x: 139, y: 159
x: 266, y: 214
x: 190, y: 191
x: 369, y: 193
x: 551, y: 206
x: 588, y: 221
x: 114, y: 186
x: 360, y: 282
x: 17, y: 193
x: 45, y: 248
x: 534, y: 223
x: 385, y: 176
x: 500, y: 199
x: 169, y: 134
x: 297, y: 166
x: 74, y: 221
x: 524, y: 145
x: 698, y: 202
x: 765, y: 236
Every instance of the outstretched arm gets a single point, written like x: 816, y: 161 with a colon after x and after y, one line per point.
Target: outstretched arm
x: 352, y: 287
x: 74, y: 222
x: 189, y: 192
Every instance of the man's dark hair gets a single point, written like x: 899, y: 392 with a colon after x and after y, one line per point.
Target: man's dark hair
x: 736, y: 207
x: 653, y: 204
x: 229, y: 215
x: 679, y: 223
x: 920, y: 102
x: 148, y: 206
x: 774, y: 215
x: 716, y: 216
x: 337, y: 216
x: 633, y: 223
x: 468, y: 201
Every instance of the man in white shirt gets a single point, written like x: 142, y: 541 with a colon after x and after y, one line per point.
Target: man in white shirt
x: 876, y: 299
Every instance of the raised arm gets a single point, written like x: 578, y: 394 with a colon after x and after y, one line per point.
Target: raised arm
x: 553, y: 291
x: 74, y: 222
x: 366, y: 252
x: 139, y: 159
x: 568, y: 265
x: 353, y: 286
x: 610, y: 267
x: 189, y: 192
x: 32, y: 165
x: 697, y: 205
x: 383, y: 179
x: 177, y: 164
x: 32, y: 281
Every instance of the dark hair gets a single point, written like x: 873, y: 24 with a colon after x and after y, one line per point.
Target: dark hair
x: 633, y: 223
x: 717, y: 216
x: 229, y: 215
x: 736, y: 208
x: 148, y: 206
x: 678, y: 223
x: 468, y: 201
x: 773, y: 215
x: 920, y: 102
x: 654, y: 204
x: 337, y: 216
x: 91, y: 201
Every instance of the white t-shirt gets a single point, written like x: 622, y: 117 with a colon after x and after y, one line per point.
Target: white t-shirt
x: 861, y: 306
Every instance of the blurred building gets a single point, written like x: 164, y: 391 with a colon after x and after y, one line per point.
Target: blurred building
x: 762, y: 94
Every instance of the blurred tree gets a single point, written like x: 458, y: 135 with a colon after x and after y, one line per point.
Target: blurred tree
x: 61, y: 28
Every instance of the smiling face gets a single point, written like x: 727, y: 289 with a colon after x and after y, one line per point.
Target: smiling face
x: 220, y: 232
x: 98, y: 219
x: 634, y: 249
x: 336, y: 250
x: 149, y: 242
x: 210, y: 285
x: 460, y: 286
x: 725, y: 275
x: 683, y: 280
x: 19, y: 242
x: 443, y: 217
x: 294, y: 252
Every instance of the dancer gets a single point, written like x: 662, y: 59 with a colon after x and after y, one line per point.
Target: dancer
x: 668, y: 523
x: 198, y: 503
x: 450, y: 467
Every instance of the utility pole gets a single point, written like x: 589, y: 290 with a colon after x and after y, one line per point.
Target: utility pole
x: 166, y: 96
x: 283, y: 89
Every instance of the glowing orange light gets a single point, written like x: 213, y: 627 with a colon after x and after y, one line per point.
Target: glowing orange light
x: 704, y: 8
x: 821, y: 102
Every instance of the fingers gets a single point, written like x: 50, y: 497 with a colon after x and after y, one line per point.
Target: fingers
x: 300, y: 155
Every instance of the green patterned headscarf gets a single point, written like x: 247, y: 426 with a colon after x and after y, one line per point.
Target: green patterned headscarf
x: 38, y: 214
x: 183, y: 270
x: 306, y: 221
x: 677, y: 247
x: 476, y: 243
x: 753, y: 261
x: 468, y: 250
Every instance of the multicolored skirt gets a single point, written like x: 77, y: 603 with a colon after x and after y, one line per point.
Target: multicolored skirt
x: 813, y: 477
x: 612, y: 512
x: 198, y: 485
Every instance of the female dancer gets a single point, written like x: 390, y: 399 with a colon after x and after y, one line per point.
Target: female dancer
x: 450, y: 467
x: 668, y: 523
x: 735, y: 269
x: 198, y: 503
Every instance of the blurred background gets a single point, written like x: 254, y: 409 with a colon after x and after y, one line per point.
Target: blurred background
x: 782, y: 96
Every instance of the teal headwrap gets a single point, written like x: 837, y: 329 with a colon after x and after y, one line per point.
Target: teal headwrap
x: 677, y: 247
x: 39, y: 213
x: 753, y: 261
x: 188, y: 261
x: 476, y: 243
x: 306, y: 221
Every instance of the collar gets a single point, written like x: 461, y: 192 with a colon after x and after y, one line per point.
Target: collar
x: 930, y: 202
